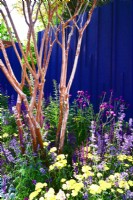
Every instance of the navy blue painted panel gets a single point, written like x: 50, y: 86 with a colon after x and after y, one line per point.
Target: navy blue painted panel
x: 16, y: 69
x: 123, y: 53
x: 92, y: 56
x: 106, y: 54
x: 104, y: 48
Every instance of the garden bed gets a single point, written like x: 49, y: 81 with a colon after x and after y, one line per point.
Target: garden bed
x: 97, y: 162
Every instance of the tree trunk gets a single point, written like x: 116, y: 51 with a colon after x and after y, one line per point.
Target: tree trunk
x: 64, y: 123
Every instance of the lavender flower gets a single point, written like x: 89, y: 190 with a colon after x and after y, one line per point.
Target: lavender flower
x: 34, y: 182
x: 129, y: 194
x: 127, y: 145
x: 71, y: 139
x: 42, y: 170
x: 85, y: 196
x: 14, y: 146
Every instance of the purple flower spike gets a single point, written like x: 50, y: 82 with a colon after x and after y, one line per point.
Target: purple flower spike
x: 34, y: 182
x: 42, y: 170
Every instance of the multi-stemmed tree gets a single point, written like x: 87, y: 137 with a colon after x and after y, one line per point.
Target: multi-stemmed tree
x: 38, y: 71
x: 33, y: 105
x: 74, y: 21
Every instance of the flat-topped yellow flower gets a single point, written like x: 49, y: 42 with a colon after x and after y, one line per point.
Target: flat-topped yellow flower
x: 51, y: 167
x: 95, y: 189
x: 45, y: 144
x: 79, y: 177
x: 117, y: 175
x: 70, y: 184
x: 53, y: 149
x: 87, y: 174
x: 60, y: 163
x: 122, y: 157
x: 120, y: 191
x: 104, y: 185
x: 126, y: 165
x: 79, y: 186
x: 41, y: 198
x: 5, y: 135
x: 130, y: 183
x: 86, y: 168
x: 34, y: 194
x: 74, y: 193
x: 90, y: 155
x: 60, y: 157
x: 123, y: 184
x: 130, y: 158
x: 99, y: 175
x: 105, y: 168
x: 112, y: 177
x: 63, y: 180
x: 40, y: 185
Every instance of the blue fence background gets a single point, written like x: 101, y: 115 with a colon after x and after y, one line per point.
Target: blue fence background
x: 4, y: 84
x: 106, y: 60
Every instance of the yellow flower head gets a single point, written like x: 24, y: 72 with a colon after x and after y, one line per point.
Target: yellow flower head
x: 51, y: 167
x: 79, y: 177
x: 45, y: 144
x: 130, y: 158
x: 40, y: 185
x: 63, y: 180
x: 41, y: 198
x: 130, y: 183
x: 123, y: 184
x: 90, y: 156
x: 64, y: 186
x: 53, y: 149
x: 121, y: 157
x: 5, y: 135
x: 74, y: 193
x: 120, y: 191
x: 60, y: 157
x: 99, y: 175
x: 79, y: 186
x: 105, y: 168
x: 117, y: 175
x: 34, y: 194
x: 87, y: 174
x: 95, y: 189
x: 104, y: 185
x: 86, y: 168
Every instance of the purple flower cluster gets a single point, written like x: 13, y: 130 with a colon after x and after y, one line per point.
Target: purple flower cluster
x: 7, y: 155
x: 83, y: 99
x: 14, y: 145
